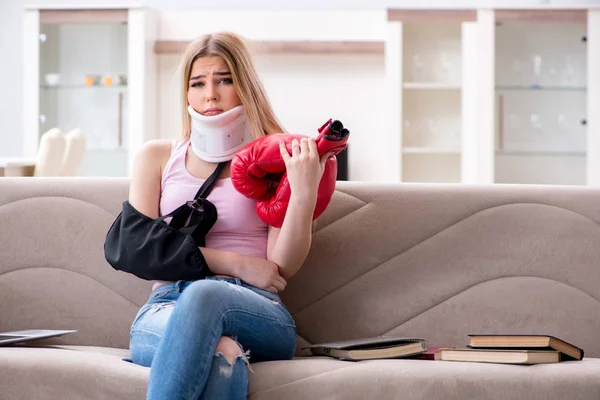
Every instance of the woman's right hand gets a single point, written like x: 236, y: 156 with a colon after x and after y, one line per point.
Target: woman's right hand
x: 262, y: 273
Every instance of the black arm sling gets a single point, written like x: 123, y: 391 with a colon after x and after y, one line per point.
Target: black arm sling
x: 154, y: 250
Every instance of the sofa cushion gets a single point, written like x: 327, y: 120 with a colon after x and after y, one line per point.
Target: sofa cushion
x: 46, y: 373
x: 81, y: 372
x: 325, y: 378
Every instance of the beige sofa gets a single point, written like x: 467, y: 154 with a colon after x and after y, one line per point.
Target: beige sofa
x: 437, y: 261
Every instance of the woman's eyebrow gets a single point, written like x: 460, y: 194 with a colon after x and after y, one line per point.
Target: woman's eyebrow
x: 219, y: 73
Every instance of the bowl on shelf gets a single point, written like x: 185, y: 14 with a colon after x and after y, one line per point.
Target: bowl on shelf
x: 52, y: 79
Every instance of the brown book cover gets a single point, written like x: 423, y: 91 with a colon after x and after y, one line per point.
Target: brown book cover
x: 526, y: 342
x: 432, y: 353
x: 497, y: 356
x: 370, y: 348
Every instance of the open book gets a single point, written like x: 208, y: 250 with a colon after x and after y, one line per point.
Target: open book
x: 370, y: 348
x: 526, y: 342
x: 8, y: 338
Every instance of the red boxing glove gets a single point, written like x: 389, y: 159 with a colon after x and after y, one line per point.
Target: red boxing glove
x: 256, y: 166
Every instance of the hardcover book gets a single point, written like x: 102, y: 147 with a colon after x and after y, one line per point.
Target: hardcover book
x: 370, y: 348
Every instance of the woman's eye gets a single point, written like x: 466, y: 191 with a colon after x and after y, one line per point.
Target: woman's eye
x: 197, y: 84
x: 227, y: 81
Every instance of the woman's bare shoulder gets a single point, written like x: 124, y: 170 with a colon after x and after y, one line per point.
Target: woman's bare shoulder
x: 156, y: 151
x: 157, y: 146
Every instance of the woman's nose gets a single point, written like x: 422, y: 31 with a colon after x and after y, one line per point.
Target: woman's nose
x: 211, y: 92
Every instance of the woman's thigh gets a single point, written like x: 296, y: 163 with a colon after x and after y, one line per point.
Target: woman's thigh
x: 150, y: 323
x: 255, y: 318
x: 261, y: 324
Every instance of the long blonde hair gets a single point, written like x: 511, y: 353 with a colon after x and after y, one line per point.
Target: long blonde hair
x: 232, y: 49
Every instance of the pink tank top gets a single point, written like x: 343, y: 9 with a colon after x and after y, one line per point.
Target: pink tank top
x: 238, y: 227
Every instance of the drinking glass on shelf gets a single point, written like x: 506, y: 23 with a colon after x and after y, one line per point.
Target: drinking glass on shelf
x: 568, y: 72
x: 536, y: 121
x: 537, y: 69
x: 418, y: 67
x: 517, y: 70
x: 562, y: 121
x: 431, y: 132
x: 553, y: 75
x: 446, y: 66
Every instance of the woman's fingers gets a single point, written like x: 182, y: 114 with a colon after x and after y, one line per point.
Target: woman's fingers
x: 304, y: 146
x: 278, y: 284
x: 284, y: 151
x: 281, y: 283
x: 295, y: 148
x: 312, y: 147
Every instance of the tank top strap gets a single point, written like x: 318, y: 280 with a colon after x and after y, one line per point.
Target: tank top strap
x: 176, y: 160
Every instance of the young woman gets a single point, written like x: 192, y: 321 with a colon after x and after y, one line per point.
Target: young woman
x: 198, y: 336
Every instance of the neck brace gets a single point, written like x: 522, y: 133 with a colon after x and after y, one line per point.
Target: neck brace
x: 217, y: 138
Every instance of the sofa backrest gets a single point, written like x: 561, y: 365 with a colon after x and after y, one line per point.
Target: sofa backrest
x: 435, y: 261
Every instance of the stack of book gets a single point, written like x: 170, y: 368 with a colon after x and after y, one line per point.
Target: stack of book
x: 501, y: 349
x: 512, y: 349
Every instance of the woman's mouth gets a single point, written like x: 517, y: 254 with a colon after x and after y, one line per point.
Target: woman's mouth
x: 212, y: 111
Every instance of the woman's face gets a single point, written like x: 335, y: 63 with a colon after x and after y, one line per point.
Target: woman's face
x: 210, y: 88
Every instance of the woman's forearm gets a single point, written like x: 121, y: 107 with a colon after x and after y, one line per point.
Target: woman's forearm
x: 222, y: 262
x: 295, y: 236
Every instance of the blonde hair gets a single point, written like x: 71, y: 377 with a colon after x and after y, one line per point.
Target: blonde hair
x: 232, y: 49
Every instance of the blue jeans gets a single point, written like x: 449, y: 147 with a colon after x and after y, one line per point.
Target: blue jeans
x: 177, y: 330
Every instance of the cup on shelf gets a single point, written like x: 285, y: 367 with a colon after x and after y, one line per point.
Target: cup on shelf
x: 52, y: 79
x: 91, y: 80
x: 107, y: 80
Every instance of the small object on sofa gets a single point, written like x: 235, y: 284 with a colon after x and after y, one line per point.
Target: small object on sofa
x: 432, y: 353
x: 370, y: 348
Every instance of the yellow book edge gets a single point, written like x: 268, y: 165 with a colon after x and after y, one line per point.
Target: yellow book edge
x: 500, y: 356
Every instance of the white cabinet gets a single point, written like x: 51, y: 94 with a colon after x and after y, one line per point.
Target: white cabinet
x: 428, y: 109
x: 91, y: 69
x: 540, y: 97
x: 494, y: 96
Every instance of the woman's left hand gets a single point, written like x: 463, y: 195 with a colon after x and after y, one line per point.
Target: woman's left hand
x: 304, y: 167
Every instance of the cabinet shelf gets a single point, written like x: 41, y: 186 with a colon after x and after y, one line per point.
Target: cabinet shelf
x: 542, y: 88
x: 429, y: 150
x: 82, y: 86
x: 431, y: 86
x: 528, y: 153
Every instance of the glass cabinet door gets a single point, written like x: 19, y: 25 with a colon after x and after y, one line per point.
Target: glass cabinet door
x: 83, y: 85
x: 430, y: 64
x: 540, y: 97
x: 431, y: 102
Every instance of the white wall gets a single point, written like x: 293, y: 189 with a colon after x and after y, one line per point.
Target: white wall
x: 11, y: 44
x: 305, y: 91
